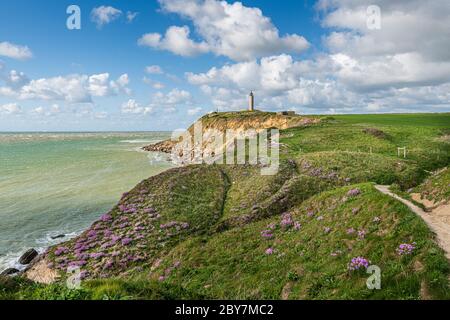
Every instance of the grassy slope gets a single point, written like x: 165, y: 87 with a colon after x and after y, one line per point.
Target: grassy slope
x: 234, y: 264
x: 190, y: 198
x: 436, y: 188
x: 222, y: 252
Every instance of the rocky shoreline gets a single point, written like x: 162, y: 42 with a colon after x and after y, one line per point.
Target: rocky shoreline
x: 163, y: 146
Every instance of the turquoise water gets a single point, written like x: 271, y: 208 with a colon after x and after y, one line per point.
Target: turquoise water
x: 59, y: 183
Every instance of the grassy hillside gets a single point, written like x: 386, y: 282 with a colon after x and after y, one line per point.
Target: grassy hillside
x: 219, y: 231
x: 424, y: 136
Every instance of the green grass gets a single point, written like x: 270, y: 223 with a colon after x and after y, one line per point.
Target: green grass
x: 219, y: 253
x: 233, y: 264
x: 422, y: 142
x: 412, y: 119
x: 436, y: 188
x: 342, y: 166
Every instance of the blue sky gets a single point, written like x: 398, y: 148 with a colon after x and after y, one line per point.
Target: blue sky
x: 204, y: 55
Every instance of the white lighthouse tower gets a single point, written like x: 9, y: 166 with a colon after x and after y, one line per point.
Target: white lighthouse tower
x: 251, y: 102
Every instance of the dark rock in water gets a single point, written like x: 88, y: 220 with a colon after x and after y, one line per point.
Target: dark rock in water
x: 28, y: 256
x: 59, y: 236
x: 9, y: 272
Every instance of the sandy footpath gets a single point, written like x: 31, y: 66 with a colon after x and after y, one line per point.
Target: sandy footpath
x: 438, y: 219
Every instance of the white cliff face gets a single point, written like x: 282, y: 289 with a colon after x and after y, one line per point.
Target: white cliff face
x: 212, y: 136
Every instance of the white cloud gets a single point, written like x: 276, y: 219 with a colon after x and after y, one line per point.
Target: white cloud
x: 133, y: 107
x: 131, y: 16
x: 173, y: 97
x: 176, y: 40
x: 154, y: 69
x: 194, y: 111
x: 233, y: 30
x: 405, y: 66
x: 46, y: 111
x: 39, y: 110
x: 72, y: 88
x: 14, y: 51
x: 155, y: 84
x: 411, y: 49
x: 104, y: 15
x: 10, y: 108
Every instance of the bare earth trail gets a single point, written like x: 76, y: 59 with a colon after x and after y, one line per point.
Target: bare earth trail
x: 437, y: 220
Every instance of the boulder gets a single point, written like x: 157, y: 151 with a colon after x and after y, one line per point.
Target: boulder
x: 59, y: 236
x: 28, y: 256
x: 9, y: 272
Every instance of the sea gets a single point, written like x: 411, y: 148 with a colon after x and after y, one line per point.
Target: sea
x: 59, y: 183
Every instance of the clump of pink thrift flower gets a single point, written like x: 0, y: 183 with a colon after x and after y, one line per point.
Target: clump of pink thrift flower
x: 126, y: 241
x: 297, y: 225
x: 406, y: 249
x: 286, y: 221
x: 106, y: 217
x: 362, y: 234
x: 269, y: 251
x: 61, y: 250
x: 358, y: 263
x: 350, y: 231
x: 266, y: 234
x: 354, y: 192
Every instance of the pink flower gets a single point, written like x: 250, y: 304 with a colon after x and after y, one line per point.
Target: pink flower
x: 358, y: 263
x: 106, y: 217
x: 406, y: 249
x: 266, y: 234
x: 126, y: 241
x: 269, y: 251
x: 362, y: 234
x: 286, y: 221
x: 354, y: 192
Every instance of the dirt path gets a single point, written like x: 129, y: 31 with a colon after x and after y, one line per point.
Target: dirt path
x: 437, y: 220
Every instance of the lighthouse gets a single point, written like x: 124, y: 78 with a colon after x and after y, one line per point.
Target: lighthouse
x: 251, y: 102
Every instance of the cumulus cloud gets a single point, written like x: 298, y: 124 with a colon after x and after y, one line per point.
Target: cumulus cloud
x: 14, y: 51
x: 176, y: 40
x: 164, y: 102
x: 154, y: 69
x: 104, y: 15
x: 155, y: 84
x: 72, y: 88
x: 194, y: 111
x: 410, y: 49
x: 232, y: 30
x: 404, y: 66
x: 131, y: 16
x: 133, y: 107
x: 10, y: 108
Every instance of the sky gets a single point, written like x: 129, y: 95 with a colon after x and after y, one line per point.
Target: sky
x: 161, y: 64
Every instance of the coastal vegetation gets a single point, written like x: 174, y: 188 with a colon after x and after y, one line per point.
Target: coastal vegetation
x: 308, y: 232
